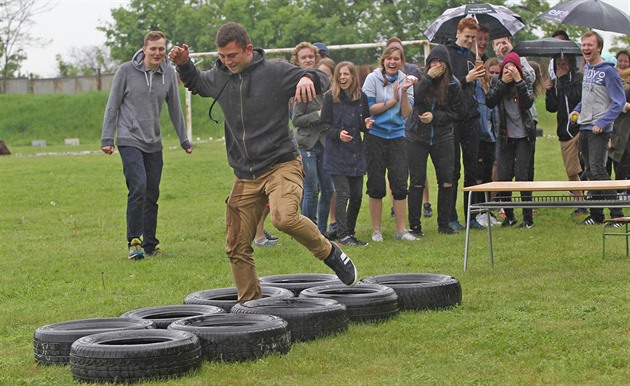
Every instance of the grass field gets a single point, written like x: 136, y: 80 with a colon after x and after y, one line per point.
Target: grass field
x: 551, y: 311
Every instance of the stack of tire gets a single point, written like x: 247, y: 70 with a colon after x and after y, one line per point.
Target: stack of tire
x: 171, y: 341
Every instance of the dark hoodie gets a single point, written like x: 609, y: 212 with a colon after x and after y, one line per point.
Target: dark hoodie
x: 453, y: 107
x: 255, y: 106
x: 562, y: 98
x: 135, y: 103
x: 501, y: 95
x: 462, y: 61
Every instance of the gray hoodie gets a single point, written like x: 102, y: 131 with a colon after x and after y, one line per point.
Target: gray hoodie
x: 135, y: 103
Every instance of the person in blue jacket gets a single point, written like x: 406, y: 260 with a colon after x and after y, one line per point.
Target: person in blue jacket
x: 603, y: 99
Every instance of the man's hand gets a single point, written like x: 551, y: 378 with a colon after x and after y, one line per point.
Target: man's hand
x: 548, y: 84
x: 189, y: 150
x: 597, y: 129
x: 179, y: 55
x: 108, y: 149
x: 305, y: 90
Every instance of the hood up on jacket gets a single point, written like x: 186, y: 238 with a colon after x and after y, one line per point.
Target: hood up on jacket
x: 440, y: 52
x: 513, y: 58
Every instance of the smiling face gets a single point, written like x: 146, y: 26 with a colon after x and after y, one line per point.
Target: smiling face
x: 306, y: 58
x: 591, y: 49
x: 623, y: 61
x: 466, y: 37
x: 392, y: 63
x: 494, y: 70
x: 235, y: 58
x: 345, y: 78
x: 483, y: 37
x: 154, y: 52
x: 502, y: 47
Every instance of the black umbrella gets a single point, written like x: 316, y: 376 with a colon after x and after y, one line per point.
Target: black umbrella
x: 594, y: 14
x: 547, y: 47
x: 500, y: 20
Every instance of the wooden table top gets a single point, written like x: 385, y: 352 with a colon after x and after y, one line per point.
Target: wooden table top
x: 551, y: 186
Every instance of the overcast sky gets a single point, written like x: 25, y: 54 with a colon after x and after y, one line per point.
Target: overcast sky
x: 72, y: 24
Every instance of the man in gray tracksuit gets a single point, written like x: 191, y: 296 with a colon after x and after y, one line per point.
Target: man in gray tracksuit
x: 254, y: 93
x: 139, y: 90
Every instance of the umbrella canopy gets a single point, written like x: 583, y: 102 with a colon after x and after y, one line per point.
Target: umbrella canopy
x: 594, y: 14
x: 547, y: 47
x: 500, y: 20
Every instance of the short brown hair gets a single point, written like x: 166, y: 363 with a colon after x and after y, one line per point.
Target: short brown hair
x: 600, y: 40
x: 153, y: 35
x: 232, y: 32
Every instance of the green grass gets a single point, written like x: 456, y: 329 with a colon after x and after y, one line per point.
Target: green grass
x: 551, y: 311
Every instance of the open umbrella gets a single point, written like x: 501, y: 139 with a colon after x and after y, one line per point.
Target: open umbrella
x: 594, y: 14
x: 500, y: 20
x: 547, y: 47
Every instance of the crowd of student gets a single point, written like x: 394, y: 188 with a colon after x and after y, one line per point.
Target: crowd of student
x: 462, y: 109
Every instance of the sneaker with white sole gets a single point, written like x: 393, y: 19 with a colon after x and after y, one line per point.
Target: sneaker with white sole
x: 342, y: 265
x: 265, y: 242
x: 352, y: 241
x: 135, y: 249
x: 377, y: 236
x: 269, y: 236
x: 405, y: 236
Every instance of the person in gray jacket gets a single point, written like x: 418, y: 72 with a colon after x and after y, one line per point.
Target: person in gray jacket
x: 254, y: 93
x: 139, y: 90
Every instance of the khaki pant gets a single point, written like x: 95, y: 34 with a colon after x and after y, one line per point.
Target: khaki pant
x: 282, y: 187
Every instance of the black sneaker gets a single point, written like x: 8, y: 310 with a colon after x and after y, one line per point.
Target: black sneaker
x: 269, y: 236
x: 352, y: 241
x: 509, y: 221
x: 339, y: 262
x: 427, y: 211
x: 613, y: 224
x: 332, y: 235
x: 526, y: 224
x: 447, y: 230
x: 416, y: 230
x: 590, y: 221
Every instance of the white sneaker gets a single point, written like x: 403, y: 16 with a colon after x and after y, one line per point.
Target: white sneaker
x: 404, y: 235
x: 482, y: 220
x: 266, y: 243
x: 377, y: 236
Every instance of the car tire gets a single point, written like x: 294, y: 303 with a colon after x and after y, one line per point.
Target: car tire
x: 133, y: 356
x: 297, y: 282
x: 162, y: 316
x: 52, y: 342
x: 308, y: 318
x: 226, y: 298
x: 421, y: 291
x: 364, y: 302
x: 237, y: 337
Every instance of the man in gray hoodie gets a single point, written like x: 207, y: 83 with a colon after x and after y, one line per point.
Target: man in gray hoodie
x: 138, y: 92
x: 254, y: 93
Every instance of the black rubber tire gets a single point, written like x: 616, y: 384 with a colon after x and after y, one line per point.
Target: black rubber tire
x: 162, y: 316
x: 308, y: 318
x: 132, y: 356
x: 364, y: 302
x: 237, y: 337
x: 228, y: 297
x: 298, y: 282
x: 51, y: 343
x: 421, y: 291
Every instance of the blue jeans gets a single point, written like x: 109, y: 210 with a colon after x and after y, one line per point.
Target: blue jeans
x: 143, y: 172
x: 594, y: 150
x: 316, y: 180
